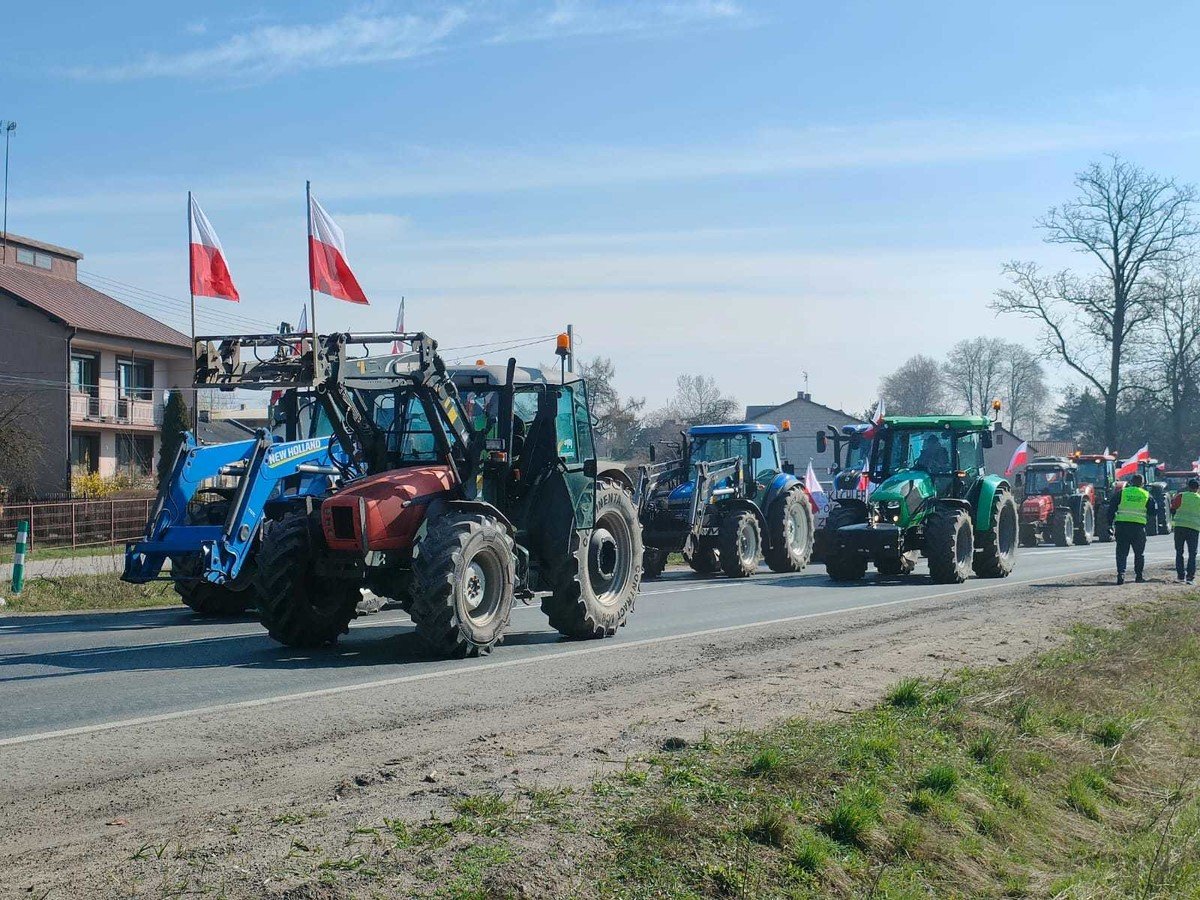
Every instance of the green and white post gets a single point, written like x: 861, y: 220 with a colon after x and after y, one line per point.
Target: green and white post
x: 18, y: 579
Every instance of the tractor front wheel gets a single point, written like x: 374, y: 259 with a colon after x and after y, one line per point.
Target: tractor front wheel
x: 740, y: 543
x: 1029, y: 535
x: 1085, y: 529
x: 654, y: 561
x: 596, y: 590
x: 705, y: 560
x: 1062, y: 527
x: 997, y: 552
x: 205, y: 598
x: 462, y: 586
x: 298, y: 607
x: 790, y: 530
x: 950, y: 545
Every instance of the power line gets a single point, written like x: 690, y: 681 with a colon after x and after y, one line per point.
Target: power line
x: 164, y: 301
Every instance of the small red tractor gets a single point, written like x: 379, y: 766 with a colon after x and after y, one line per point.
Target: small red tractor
x: 1056, y: 508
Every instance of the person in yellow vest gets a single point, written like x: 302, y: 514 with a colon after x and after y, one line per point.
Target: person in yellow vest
x: 1129, y: 510
x: 1186, y: 509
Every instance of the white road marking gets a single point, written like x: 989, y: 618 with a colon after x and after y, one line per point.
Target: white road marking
x: 588, y: 650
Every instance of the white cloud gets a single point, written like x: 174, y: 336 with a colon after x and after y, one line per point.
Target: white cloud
x: 374, y: 36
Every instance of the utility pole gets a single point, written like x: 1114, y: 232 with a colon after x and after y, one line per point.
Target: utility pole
x: 9, y: 127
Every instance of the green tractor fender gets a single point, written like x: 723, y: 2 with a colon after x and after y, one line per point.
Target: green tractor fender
x: 989, y: 486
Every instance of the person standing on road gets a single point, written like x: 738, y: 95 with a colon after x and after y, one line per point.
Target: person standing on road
x: 1129, y: 510
x: 1185, y: 508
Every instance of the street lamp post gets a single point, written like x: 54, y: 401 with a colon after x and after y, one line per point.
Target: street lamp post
x: 9, y: 127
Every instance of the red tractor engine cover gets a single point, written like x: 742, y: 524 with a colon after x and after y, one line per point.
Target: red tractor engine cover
x: 1037, y: 508
x: 376, y: 513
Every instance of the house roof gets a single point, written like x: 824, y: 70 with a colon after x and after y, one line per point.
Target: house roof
x: 758, y: 411
x: 42, y: 245
x: 79, y: 306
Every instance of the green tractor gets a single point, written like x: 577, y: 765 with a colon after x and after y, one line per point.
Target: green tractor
x: 929, y: 497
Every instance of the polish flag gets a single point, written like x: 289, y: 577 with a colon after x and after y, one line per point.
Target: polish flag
x: 328, y: 271
x: 209, y: 272
x: 1019, y: 458
x: 813, y: 485
x: 880, y: 412
x: 864, y: 483
x: 1130, y: 466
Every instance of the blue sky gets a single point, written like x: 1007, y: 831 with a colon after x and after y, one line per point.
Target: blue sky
x: 746, y: 189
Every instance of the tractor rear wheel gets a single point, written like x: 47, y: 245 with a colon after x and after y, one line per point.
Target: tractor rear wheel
x: 596, y: 590
x: 1085, y: 529
x: 950, y: 545
x: 842, y: 565
x: 705, y: 560
x: 653, y: 563
x: 1029, y: 535
x: 997, y: 553
x: 740, y: 543
x: 207, y: 599
x: 462, y: 586
x: 298, y: 607
x: 1062, y: 527
x: 790, y: 531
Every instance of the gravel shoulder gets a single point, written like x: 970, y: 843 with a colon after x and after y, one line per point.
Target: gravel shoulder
x: 86, y: 815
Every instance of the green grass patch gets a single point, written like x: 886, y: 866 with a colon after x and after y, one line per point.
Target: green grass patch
x: 85, y: 592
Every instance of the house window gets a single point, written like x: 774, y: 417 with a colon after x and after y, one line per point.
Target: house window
x: 999, y: 442
x: 34, y: 258
x: 135, y: 454
x: 85, y: 453
x: 135, y: 379
x: 85, y: 373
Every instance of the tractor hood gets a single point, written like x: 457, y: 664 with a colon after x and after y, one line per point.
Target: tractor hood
x: 682, y: 495
x: 384, y: 511
x: 900, y: 486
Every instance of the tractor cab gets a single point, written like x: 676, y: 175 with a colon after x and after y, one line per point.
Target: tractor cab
x: 1177, y: 480
x: 756, y: 447
x: 1098, y: 470
x: 1050, y: 476
x: 851, y: 447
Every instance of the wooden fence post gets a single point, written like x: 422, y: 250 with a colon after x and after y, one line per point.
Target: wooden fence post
x: 74, y: 527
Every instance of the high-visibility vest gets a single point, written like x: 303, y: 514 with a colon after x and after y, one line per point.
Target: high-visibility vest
x: 1133, y: 505
x: 1188, y: 514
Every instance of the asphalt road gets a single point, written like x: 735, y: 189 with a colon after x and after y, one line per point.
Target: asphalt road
x: 77, y: 674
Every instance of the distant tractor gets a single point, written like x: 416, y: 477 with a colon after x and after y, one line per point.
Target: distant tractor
x: 724, y: 502
x: 930, y: 497
x: 1151, y: 472
x: 1100, y: 471
x: 1057, y: 509
x: 848, y: 472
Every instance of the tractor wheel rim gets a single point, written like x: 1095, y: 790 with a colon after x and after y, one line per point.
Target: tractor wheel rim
x: 481, y: 588
x: 748, y: 544
x: 609, y: 558
x: 796, y: 530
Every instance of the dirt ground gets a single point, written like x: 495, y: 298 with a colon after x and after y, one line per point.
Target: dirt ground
x: 100, y: 815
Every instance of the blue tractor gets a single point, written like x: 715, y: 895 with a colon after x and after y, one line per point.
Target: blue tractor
x: 210, y: 510
x: 724, y: 501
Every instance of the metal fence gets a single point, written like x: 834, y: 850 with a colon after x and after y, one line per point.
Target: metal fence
x: 77, y: 523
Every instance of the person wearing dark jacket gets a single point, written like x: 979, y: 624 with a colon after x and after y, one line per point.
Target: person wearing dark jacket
x: 1129, y: 510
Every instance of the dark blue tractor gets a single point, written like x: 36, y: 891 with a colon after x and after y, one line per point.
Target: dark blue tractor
x: 725, y: 500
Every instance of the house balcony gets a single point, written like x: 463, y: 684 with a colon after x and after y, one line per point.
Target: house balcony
x: 100, y: 406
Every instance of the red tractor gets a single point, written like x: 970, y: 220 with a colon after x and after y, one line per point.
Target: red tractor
x: 1100, y: 471
x: 1056, y: 509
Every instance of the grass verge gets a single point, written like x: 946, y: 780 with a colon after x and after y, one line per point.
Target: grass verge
x: 68, y: 592
x: 40, y: 553
x: 1072, y: 774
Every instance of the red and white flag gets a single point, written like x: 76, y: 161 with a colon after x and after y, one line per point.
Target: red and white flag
x: 209, y: 272
x: 880, y: 412
x: 328, y: 269
x: 1130, y: 466
x: 812, y: 484
x: 1019, y: 458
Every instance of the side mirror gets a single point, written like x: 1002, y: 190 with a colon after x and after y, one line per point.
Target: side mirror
x: 755, y: 450
x: 589, y: 468
x: 822, y: 442
x: 789, y: 469
x: 985, y: 440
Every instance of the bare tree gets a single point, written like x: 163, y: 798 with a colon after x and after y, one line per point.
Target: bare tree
x: 1024, y: 392
x: 699, y: 401
x: 1171, y: 374
x: 19, y: 444
x: 975, y: 372
x: 914, y: 389
x: 618, y: 422
x: 1130, y: 221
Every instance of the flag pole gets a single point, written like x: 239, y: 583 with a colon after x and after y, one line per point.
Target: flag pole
x: 191, y: 283
x: 312, y: 294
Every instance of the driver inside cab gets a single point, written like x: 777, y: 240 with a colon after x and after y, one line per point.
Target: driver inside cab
x: 934, y: 459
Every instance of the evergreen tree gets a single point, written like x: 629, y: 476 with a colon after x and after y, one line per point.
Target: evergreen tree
x: 176, y: 420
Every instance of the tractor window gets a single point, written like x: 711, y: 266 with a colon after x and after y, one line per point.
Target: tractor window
x: 717, y: 447
x: 970, y: 453
x: 767, y: 465
x: 1046, y: 481
x: 1092, y: 472
x: 925, y: 450
x: 573, y: 424
x: 409, y: 435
